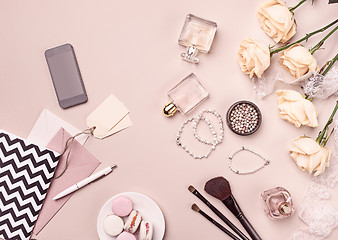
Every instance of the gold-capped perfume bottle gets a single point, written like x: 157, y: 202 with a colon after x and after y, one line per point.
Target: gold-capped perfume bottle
x: 197, y: 36
x: 278, y: 203
x: 185, y: 96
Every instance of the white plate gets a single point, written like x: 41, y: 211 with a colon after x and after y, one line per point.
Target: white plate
x: 149, y: 210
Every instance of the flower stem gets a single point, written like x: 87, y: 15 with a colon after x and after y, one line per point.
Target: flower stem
x: 291, y: 9
x: 307, y: 36
x: 322, y: 139
x: 321, y: 42
x: 330, y: 64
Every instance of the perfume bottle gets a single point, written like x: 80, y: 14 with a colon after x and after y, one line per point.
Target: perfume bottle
x: 197, y: 35
x: 186, y: 95
x: 278, y: 203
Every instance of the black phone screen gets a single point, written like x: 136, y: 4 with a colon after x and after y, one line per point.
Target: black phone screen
x: 66, y: 75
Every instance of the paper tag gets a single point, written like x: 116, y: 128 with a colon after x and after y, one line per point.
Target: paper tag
x: 109, y: 117
x: 124, y: 123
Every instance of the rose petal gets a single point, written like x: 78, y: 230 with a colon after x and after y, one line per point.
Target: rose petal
x: 280, y: 16
x: 294, y: 156
x: 311, y: 113
x: 298, y: 60
x: 321, y: 167
x: 288, y: 113
x: 280, y: 92
x: 288, y: 118
x: 299, y: 54
x: 295, y: 149
x: 303, y: 161
x: 315, y: 160
x: 297, y: 111
x: 292, y: 95
x: 307, y: 145
x: 253, y: 57
x: 290, y: 34
x: 327, y: 164
x: 290, y: 67
x: 276, y: 20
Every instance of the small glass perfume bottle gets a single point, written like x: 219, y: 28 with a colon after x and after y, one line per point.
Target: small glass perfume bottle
x: 197, y: 35
x: 186, y: 95
x: 278, y: 203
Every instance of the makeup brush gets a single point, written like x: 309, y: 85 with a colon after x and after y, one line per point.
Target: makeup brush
x: 219, y: 188
x: 197, y: 209
x: 218, y: 213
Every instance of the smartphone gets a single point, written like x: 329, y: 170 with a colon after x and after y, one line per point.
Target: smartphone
x: 66, y: 76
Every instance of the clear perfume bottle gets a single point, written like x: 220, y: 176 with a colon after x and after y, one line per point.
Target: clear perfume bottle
x: 278, y: 203
x: 185, y: 96
x: 197, y: 35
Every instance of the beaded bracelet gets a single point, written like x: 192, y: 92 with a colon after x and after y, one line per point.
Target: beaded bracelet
x: 266, y: 162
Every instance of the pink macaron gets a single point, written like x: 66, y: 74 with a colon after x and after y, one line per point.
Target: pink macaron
x: 126, y: 236
x: 122, y: 206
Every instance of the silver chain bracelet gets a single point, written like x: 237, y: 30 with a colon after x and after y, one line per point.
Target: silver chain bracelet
x: 266, y: 162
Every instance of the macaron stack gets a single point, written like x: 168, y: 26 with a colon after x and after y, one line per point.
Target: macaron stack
x: 115, y: 226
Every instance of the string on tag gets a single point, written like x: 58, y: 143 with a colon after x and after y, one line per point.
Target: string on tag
x: 70, y: 141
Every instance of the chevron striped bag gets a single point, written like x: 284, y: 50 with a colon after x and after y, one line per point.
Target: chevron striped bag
x: 26, y: 171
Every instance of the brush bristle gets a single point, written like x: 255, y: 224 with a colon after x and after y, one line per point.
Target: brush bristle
x: 218, y: 187
x: 191, y: 188
x: 195, y: 207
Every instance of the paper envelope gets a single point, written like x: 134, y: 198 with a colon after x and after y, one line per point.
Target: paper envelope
x: 47, y: 125
x: 81, y: 164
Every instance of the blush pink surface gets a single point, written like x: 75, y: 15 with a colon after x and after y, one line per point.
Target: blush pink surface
x: 129, y: 49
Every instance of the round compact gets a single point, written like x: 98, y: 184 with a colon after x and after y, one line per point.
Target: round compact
x: 244, y: 118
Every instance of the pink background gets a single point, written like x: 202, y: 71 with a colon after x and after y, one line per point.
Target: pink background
x: 129, y: 48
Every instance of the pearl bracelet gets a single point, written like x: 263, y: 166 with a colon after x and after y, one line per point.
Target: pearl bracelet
x: 213, y: 143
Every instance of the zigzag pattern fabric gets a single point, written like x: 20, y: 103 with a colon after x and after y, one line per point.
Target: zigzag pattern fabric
x: 26, y: 171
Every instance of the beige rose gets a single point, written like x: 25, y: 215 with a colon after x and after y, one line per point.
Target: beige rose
x: 310, y: 156
x: 296, y: 109
x: 276, y: 20
x: 253, y: 57
x: 298, y: 61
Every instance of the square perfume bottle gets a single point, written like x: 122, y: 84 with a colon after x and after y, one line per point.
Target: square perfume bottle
x: 277, y: 203
x: 197, y: 35
x: 185, y: 96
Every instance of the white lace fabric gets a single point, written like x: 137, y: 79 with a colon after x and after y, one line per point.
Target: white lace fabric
x: 315, y: 209
x: 318, y: 86
x: 264, y: 86
x: 315, y: 85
